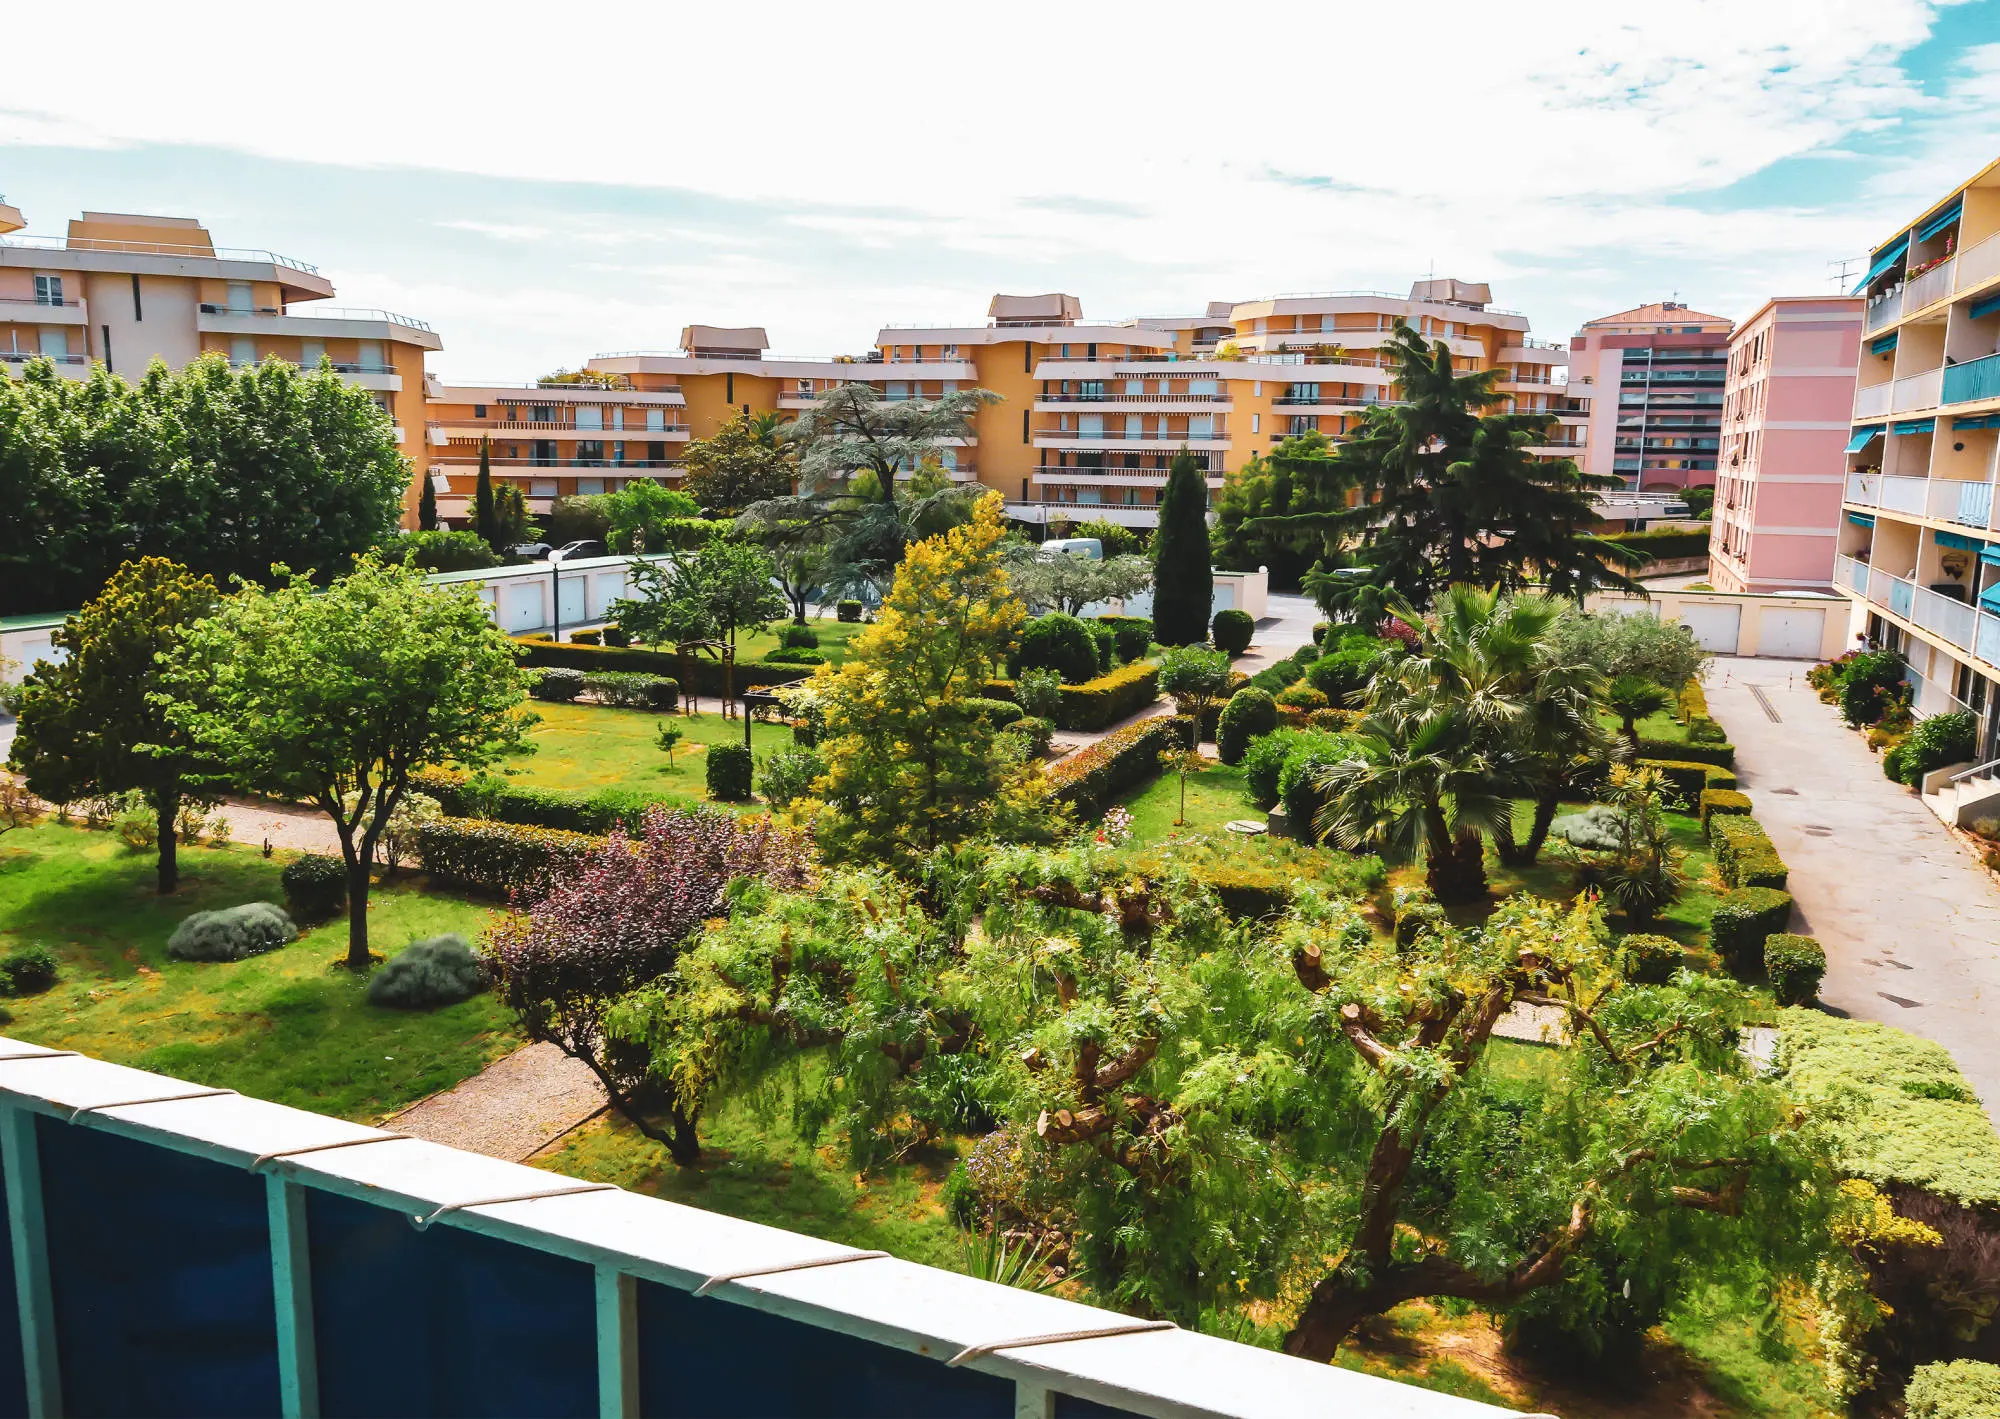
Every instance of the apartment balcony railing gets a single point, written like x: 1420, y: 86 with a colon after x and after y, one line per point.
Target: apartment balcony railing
x: 1933, y: 286
x: 1917, y: 391
x: 150, y: 248
x: 1133, y: 399
x: 1885, y: 309
x: 1851, y: 573
x: 504, y: 464
x: 21, y: 357
x: 1978, y: 264
x: 1864, y: 488
x: 1142, y: 436
x: 1975, y: 379
x: 1910, y: 495
x: 1967, y: 503
x: 211, y: 308
x: 1873, y: 401
x: 1957, y: 623
x: 45, y: 302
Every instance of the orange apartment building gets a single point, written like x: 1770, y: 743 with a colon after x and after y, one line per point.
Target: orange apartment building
x: 124, y: 290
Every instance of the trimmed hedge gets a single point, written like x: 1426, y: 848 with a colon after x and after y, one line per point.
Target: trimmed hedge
x: 1099, y: 703
x: 848, y: 611
x: 1681, y: 751
x: 793, y: 636
x: 1091, y: 777
x: 1132, y: 634
x: 1953, y: 1389
x: 503, y: 802
x: 499, y: 859
x: 1664, y: 544
x: 629, y: 690
x: 1650, y: 959
x: 1686, y: 779
x: 1724, y: 801
x: 704, y: 676
x: 993, y: 710
x: 1896, y: 1108
x: 1060, y: 643
x: 1795, y: 966
x: 1248, y: 714
x: 1743, y: 920
x: 557, y: 685
x: 1744, y: 856
x: 1231, y: 631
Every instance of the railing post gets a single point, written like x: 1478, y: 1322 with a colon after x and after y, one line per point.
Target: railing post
x: 28, y: 1226
x: 617, y: 1345
x: 291, y: 1293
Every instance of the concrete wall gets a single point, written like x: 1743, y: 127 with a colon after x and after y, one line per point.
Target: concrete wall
x: 1802, y: 627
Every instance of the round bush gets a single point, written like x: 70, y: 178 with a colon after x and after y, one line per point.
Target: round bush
x: 1649, y: 959
x: 315, y: 886
x: 557, y: 685
x: 797, y: 637
x: 789, y: 775
x: 994, y: 712
x: 29, y: 970
x: 1795, y: 965
x: 617, y: 635
x: 1249, y: 713
x: 1060, y: 643
x: 1231, y: 630
x: 794, y: 655
x: 1039, y: 733
x: 1301, y: 697
x: 1334, y: 721
x: 1345, y: 672
x: 1039, y: 693
x: 729, y: 770
x: 663, y: 693
x: 1320, y: 628
x: 1134, y: 635
x: 1263, y: 761
x: 440, y: 971
x: 232, y: 933
x: 849, y: 611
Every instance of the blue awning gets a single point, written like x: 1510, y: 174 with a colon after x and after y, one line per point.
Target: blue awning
x: 1983, y: 307
x: 1913, y: 426
x: 1886, y: 258
x: 1861, y: 519
x: 1942, y: 220
x: 1990, y: 554
x: 1884, y: 345
x: 1990, y: 599
x: 1978, y: 421
x: 1862, y: 438
x: 1960, y: 541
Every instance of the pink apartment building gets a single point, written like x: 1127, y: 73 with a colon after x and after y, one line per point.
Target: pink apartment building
x: 1786, y: 408
x: 1653, y: 375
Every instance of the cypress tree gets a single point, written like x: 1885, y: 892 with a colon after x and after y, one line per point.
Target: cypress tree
x: 427, y: 504
x: 1183, y: 584
x: 484, y: 520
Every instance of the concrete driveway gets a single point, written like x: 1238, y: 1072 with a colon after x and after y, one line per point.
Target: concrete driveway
x: 1910, y: 921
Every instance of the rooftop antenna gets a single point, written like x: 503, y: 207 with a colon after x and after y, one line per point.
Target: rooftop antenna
x: 1841, y: 272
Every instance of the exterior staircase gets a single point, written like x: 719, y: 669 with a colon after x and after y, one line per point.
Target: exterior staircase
x: 1962, y: 794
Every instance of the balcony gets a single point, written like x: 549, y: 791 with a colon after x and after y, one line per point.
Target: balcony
x: 1905, y: 495
x: 1160, y: 441
x: 1966, y: 503
x: 1975, y: 379
x: 1931, y: 287
x: 1864, y: 488
x: 1978, y: 264
x: 1872, y: 402
x: 1137, y: 401
x: 44, y: 312
x: 1917, y: 391
x: 1885, y: 310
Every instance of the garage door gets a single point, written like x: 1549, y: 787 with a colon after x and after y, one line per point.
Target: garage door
x: 521, y: 607
x: 1715, y: 627
x: 1791, y: 634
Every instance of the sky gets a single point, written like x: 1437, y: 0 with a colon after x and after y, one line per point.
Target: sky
x: 545, y: 185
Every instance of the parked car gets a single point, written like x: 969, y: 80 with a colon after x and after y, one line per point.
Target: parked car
x: 588, y: 547
x: 533, y: 551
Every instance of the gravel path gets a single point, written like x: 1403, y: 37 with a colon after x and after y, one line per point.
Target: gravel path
x: 253, y: 821
x: 511, y: 1109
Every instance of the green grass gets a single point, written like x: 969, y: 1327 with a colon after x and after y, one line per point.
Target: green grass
x: 755, y: 1167
x: 1752, y: 1355
x: 583, y: 748
x: 833, y: 638
x: 1214, y: 797
x: 290, y: 1026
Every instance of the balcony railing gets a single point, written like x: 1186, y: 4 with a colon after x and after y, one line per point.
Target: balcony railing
x: 1873, y: 401
x: 1864, y: 488
x: 21, y: 357
x: 1132, y: 398
x: 1909, y: 495
x: 1978, y: 264
x: 1970, y: 504
x: 151, y: 248
x: 1975, y: 379
x: 211, y: 308
x: 1917, y: 391
x: 1934, y: 285
x: 1851, y: 573
x: 606, y: 464
x: 1143, y: 436
x: 1885, y: 309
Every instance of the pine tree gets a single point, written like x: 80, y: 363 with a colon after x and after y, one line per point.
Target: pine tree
x: 427, y: 504
x: 485, y: 521
x: 1183, y: 584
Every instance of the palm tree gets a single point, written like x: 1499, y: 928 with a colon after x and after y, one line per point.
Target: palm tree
x: 1633, y: 698
x: 768, y: 430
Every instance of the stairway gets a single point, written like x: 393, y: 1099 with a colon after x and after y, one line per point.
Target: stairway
x: 1964, y: 802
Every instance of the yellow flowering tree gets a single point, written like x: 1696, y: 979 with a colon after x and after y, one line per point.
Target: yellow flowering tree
x: 911, y: 761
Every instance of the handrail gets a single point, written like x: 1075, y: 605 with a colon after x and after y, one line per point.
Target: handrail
x: 152, y: 248
x: 1975, y: 772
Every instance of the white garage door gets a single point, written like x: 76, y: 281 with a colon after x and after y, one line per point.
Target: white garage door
x: 1715, y: 627
x: 1791, y: 634
x: 521, y: 607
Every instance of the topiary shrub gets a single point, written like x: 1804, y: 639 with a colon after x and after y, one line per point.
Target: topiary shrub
x: 1106, y: 641
x: 1743, y: 920
x: 1249, y: 713
x: 557, y: 685
x: 1133, y: 635
x: 1744, y: 856
x: 995, y: 712
x: 29, y: 970
x: 1263, y: 762
x: 1231, y: 631
x: 1345, y: 672
x: 499, y: 859
x: 232, y: 933
x: 630, y: 689
x: 1795, y: 966
x: 794, y: 655
x: 848, y: 611
x: 1310, y: 751
x: 315, y: 886
x: 617, y: 636
x: 1301, y: 697
x: 426, y: 974
x: 1091, y: 777
x: 1724, y: 801
x: 586, y: 638
x: 797, y: 637
x: 1060, y: 643
x: 1649, y: 959
x: 1953, y: 1389
x: 729, y: 770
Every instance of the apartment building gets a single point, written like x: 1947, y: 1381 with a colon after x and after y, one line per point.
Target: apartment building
x: 1091, y: 413
x: 1654, y: 377
x: 1920, y: 544
x: 1786, y: 399
x: 123, y: 290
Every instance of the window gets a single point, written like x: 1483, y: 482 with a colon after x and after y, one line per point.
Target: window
x: 242, y: 350
x: 239, y: 298
x: 542, y: 488
x: 542, y: 414
x: 618, y: 417
x: 370, y: 357
x: 590, y: 451
x: 656, y: 452
x: 311, y: 352
x: 1091, y: 389
x: 48, y: 290
x: 55, y: 344
x: 589, y: 416
x: 589, y: 487
x: 656, y: 420
x: 479, y: 411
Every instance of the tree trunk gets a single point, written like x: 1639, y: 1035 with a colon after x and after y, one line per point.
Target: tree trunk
x: 167, y: 810
x: 1456, y: 871
x: 1511, y: 853
x: 357, y: 912
x: 1545, y: 814
x: 1336, y: 1306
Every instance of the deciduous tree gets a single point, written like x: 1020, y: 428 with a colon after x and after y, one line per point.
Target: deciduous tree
x: 92, y: 723
x: 708, y: 594
x: 735, y: 468
x: 1068, y: 581
x: 336, y: 697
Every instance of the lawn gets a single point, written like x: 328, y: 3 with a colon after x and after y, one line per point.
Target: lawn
x: 833, y: 638
x: 290, y: 1026
x: 1215, y: 796
x: 584, y: 748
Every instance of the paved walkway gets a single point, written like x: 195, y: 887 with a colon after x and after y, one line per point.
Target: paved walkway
x: 511, y: 1109
x: 1910, y: 921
